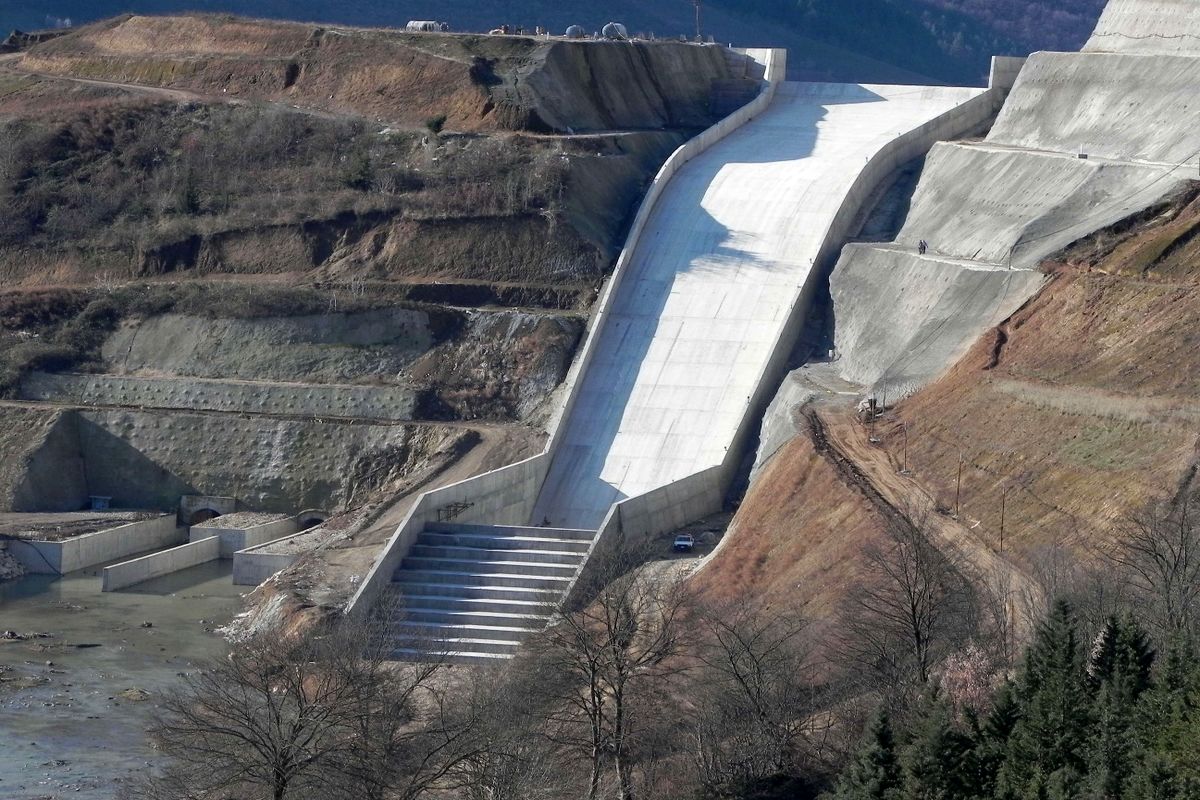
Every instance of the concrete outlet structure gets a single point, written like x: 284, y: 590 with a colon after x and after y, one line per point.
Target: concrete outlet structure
x: 82, y: 552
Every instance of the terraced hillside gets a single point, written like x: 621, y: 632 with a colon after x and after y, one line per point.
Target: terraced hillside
x: 309, y: 268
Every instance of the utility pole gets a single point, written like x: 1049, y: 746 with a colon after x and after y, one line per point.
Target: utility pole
x: 1003, y: 497
x: 696, y: 3
x: 958, y: 486
x: 904, y: 465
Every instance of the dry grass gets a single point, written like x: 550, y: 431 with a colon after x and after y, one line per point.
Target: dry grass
x: 1091, y: 409
x: 797, y: 540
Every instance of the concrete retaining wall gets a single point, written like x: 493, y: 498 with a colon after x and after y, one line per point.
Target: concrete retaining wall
x: 1147, y: 26
x: 501, y: 497
x: 252, y: 566
x: 157, y: 565
x: 58, y: 558
x: 1005, y: 71
x: 360, y: 402
x: 235, y: 539
x: 969, y: 116
x: 1129, y: 107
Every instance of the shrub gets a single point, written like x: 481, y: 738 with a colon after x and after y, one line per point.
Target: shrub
x: 436, y: 124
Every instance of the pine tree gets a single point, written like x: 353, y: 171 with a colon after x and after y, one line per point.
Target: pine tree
x: 1169, y: 728
x: 875, y: 772
x: 1047, y: 751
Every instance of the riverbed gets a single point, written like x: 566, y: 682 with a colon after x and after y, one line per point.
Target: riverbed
x: 74, y: 708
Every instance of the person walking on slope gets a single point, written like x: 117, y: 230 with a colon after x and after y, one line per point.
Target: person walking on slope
x: 922, y: 246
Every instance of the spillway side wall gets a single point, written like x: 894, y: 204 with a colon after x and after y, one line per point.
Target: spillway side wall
x: 156, y: 565
x: 964, y: 118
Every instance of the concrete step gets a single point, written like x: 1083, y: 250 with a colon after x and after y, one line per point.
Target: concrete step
x: 509, y: 530
x: 476, y: 593
x: 503, y: 542
x: 437, y: 643
x: 472, y: 630
x: 412, y: 654
x: 489, y: 618
x: 480, y: 554
x: 514, y: 566
x: 472, y: 579
x: 540, y: 608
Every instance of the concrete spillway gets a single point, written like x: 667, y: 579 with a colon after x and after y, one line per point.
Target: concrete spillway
x: 688, y: 341
x: 722, y: 264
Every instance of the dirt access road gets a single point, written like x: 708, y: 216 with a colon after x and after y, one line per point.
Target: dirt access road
x: 838, y: 436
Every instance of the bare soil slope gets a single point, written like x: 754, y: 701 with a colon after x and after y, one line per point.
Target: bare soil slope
x: 474, y: 82
x: 1082, y: 406
x: 1077, y: 411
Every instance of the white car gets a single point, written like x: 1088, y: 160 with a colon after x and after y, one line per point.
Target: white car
x: 684, y: 543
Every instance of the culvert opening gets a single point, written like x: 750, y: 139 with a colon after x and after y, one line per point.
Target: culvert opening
x: 310, y: 520
x: 203, y: 515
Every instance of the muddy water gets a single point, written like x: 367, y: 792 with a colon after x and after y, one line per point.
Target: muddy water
x: 74, y: 708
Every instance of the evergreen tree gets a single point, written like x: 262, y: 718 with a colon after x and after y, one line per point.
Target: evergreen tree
x: 1168, y: 760
x: 1047, y: 751
x: 936, y: 763
x: 874, y: 774
x: 1119, y: 669
x: 991, y: 739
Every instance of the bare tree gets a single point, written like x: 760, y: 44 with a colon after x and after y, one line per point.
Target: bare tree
x: 301, y: 716
x: 914, y: 606
x: 608, y: 662
x: 755, y: 697
x: 515, y: 759
x: 1158, y: 554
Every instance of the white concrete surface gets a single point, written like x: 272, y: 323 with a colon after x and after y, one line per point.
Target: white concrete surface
x: 507, y: 495
x: 59, y: 558
x: 156, y: 565
x: 724, y: 258
x: 1147, y: 26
